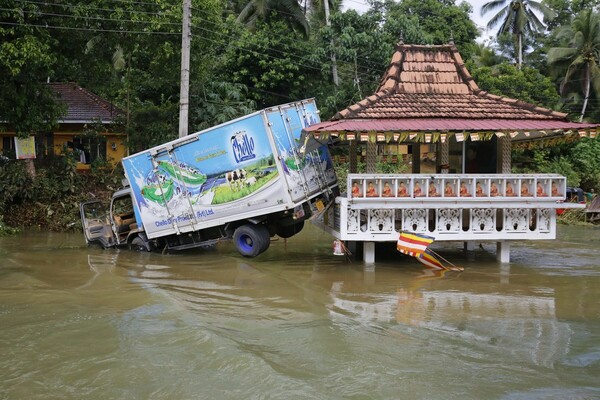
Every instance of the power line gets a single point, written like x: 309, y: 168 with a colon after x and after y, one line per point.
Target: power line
x: 96, y: 18
x: 86, y: 7
x: 348, y: 62
x: 90, y: 18
x: 89, y: 29
x: 223, y: 42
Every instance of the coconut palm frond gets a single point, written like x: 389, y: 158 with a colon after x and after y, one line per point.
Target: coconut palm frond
x: 534, y: 23
x: 90, y: 44
x: 492, y: 5
x: 293, y: 9
x: 497, y: 18
x: 118, y: 58
x: 557, y: 54
x: 548, y: 13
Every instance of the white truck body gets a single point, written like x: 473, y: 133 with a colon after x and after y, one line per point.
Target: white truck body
x: 255, y: 168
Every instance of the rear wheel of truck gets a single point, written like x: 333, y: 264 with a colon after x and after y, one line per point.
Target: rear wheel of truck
x: 288, y: 231
x: 251, y: 240
x: 139, y: 244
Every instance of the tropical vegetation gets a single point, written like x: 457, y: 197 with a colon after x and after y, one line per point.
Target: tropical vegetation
x: 248, y: 54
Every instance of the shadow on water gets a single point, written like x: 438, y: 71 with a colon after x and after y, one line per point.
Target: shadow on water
x: 298, y: 322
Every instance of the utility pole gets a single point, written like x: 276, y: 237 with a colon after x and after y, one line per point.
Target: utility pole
x: 336, y: 80
x: 184, y: 94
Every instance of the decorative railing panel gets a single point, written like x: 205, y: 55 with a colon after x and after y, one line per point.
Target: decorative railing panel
x: 449, y: 207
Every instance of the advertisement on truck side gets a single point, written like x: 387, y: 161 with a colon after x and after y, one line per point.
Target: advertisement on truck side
x: 228, y: 172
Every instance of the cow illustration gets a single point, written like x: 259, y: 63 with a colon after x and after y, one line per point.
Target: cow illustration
x: 236, y: 178
x: 251, y: 181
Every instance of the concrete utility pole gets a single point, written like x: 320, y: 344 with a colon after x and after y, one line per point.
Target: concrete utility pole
x: 336, y: 80
x: 186, y: 35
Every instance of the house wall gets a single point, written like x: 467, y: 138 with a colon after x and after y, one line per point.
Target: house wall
x: 63, y: 139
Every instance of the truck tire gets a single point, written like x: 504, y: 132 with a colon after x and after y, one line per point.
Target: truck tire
x: 288, y: 231
x: 251, y: 240
x: 139, y: 244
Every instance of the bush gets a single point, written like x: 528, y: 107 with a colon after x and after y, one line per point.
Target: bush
x: 51, y: 199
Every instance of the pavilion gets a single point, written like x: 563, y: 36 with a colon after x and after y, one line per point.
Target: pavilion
x: 427, y: 97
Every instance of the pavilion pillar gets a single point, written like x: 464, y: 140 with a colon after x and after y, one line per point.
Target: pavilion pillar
x: 352, y: 155
x: 504, y: 155
x: 416, y: 158
x: 443, y: 157
x: 371, y: 167
x: 369, y: 252
x: 503, y: 251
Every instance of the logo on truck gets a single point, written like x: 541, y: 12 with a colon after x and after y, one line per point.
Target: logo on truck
x: 242, y: 146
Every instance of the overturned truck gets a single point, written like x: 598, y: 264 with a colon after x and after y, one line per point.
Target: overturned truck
x: 246, y: 180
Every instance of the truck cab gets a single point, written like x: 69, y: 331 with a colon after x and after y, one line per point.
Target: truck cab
x: 116, y: 226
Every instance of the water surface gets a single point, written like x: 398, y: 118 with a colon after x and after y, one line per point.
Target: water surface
x: 298, y: 322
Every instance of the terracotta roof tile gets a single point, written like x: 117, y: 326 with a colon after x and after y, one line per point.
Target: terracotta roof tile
x: 433, y: 82
x: 83, y: 106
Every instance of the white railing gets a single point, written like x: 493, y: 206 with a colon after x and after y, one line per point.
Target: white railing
x: 448, y: 207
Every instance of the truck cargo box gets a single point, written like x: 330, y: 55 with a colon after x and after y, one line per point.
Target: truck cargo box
x: 243, y: 169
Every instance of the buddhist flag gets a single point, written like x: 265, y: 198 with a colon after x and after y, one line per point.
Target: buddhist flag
x: 413, y: 244
x: 428, y: 259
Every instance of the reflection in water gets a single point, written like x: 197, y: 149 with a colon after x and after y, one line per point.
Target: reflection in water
x: 81, y: 322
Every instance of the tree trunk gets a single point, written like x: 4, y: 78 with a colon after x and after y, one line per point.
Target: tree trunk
x: 520, y: 50
x: 334, y: 73
x: 587, y: 90
x: 30, y: 167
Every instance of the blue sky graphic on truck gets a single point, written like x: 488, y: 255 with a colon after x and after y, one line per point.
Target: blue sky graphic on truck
x: 226, y: 163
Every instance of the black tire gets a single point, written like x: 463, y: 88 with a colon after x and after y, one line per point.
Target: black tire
x: 251, y: 240
x: 288, y: 231
x: 139, y: 244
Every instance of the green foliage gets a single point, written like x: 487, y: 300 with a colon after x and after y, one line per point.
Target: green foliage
x: 341, y: 170
x: 51, y: 199
x: 219, y: 102
x: 26, y: 105
x: 152, y: 125
x: 441, y: 20
x: 290, y: 11
x: 6, y: 230
x: 584, y: 157
x: 17, y: 185
x: 579, y: 60
x: 526, y: 84
x: 271, y: 61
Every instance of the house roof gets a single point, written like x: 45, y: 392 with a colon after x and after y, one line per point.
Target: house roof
x: 83, y: 106
x: 428, y: 88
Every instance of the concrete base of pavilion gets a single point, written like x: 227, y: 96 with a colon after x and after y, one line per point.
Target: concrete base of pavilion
x: 369, y: 252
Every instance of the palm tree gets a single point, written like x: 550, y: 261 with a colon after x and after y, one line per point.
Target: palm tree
x: 290, y: 10
x: 581, y: 58
x: 518, y: 18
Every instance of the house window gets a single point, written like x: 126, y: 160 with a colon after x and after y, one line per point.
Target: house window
x: 94, y: 148
x: 8, y: 146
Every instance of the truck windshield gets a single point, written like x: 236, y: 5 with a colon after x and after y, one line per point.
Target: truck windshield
x: 122, y: 206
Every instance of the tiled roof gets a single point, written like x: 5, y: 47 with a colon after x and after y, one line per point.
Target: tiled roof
x: 433, y: 82
x: 446, y: 125
x: 83, y: 106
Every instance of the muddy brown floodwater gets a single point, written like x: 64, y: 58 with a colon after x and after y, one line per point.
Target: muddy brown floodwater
x: 298, y: 322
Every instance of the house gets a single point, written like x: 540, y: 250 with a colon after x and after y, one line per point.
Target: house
x: 85, y: 128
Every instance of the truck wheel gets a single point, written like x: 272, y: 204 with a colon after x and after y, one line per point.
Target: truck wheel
x: 139, y: 244
x: 251, y: 240
x: 290, y: 230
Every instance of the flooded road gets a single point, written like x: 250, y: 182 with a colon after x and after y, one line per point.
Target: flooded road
x: 298, y: 322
